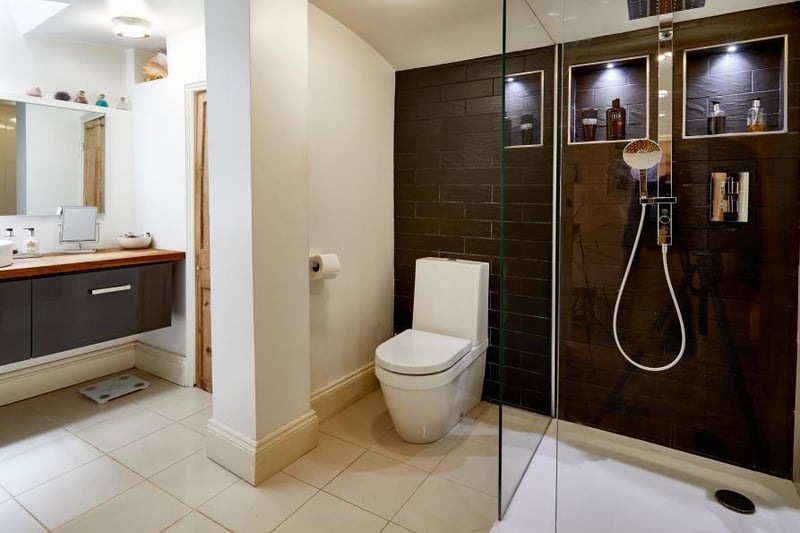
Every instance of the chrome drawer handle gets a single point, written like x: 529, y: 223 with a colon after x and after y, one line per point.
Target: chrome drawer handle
x: 107, y: 290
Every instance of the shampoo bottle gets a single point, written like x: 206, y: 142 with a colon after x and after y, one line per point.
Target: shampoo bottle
x: 30, y: 244
x: 716, y: 119
x: 615, y: 121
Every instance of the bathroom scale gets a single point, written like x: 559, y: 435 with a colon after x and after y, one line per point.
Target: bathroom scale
x: 115, y: 387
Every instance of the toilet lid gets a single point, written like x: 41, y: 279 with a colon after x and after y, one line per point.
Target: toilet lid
x: 420, y: 352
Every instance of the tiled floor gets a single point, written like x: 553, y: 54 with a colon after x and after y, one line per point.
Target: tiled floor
x: 138, y: 464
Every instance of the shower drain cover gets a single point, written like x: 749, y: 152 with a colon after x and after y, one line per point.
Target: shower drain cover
x: 735, y: 501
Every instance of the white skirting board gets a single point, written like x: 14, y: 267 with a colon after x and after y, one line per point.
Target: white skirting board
x: 256, y: 460
x: 343, y: 392
x: 32, y: 381
x: 162, y: 363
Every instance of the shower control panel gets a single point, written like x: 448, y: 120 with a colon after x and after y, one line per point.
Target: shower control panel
x: 729, y: 195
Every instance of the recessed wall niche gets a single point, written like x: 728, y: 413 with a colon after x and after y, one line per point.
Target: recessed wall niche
x: 734, y: 74
x: 523, y: 118
x: 594, y: 86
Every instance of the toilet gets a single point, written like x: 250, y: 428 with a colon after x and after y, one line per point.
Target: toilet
x: 432, y: 374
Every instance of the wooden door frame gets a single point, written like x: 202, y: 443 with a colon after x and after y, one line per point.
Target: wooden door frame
x: 190, y: 368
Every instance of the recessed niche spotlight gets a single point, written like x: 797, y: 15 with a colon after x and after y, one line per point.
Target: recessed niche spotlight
x: 662, y: 57
x: 610, y: 66
x: 509, y: 79
x: 663, y: 93
x: 131, y: 27
x: 732, y: 48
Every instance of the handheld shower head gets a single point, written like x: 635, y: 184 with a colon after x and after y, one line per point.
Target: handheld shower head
x: 641, y: 155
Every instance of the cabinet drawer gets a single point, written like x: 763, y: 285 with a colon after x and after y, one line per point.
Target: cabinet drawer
x: 74, y: 310
x: 15, y: 321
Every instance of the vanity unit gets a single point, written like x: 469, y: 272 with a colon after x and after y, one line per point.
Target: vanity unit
x: 58, y: 302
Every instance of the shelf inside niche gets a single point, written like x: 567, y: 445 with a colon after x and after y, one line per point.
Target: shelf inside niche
x: 596, y: 85
x: 524, y: 109
x: 734, y: 74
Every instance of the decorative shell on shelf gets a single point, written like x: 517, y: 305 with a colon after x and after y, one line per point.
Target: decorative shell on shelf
x: 156, y: 67
x: 34, y: 91
x: 62, y: 95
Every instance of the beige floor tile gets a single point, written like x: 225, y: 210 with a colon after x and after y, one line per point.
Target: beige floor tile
x: 423, y: 456
x: 23, y: 428
x: 194, y: 480
x: 246, y: 509
x: 199, y: 421
x: 45, y: 462
x: 196, y: 523
x: 161, y: 449
x: 142, y: 508
x: 473, y: 464
x: 377, y: 484
x: 327, y: 514
x: 13, y: 518
x: 442, y: 506
x: 176, y: 402
x: 363, y: 423
x: 128, y: 426
x: 394, y: 528
x: 70, y: 409
x: 319, y: 466
x: 58, y: 501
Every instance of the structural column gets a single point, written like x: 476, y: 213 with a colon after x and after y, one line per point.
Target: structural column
x: 257, y: 63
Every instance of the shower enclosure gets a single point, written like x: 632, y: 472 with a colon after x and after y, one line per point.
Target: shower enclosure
x: 709, y: 294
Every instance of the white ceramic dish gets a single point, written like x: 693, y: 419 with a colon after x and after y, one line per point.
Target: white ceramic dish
x: 134, y: 240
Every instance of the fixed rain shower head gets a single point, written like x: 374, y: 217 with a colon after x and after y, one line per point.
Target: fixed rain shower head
x: 638, y: 9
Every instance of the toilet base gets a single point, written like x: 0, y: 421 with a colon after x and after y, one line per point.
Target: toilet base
x: 425, y: 408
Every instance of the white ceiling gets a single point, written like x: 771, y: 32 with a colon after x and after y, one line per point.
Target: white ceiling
x: 90, y: 21
x: 408, y: 33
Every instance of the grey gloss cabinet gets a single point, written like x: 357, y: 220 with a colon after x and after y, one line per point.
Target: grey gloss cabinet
x: 15, y: 321
x: 78, y: 309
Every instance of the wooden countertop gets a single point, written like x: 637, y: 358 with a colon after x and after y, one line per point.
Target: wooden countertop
x: 59, y: 263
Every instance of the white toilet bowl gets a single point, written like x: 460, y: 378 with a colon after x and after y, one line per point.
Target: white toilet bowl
x: 429, y: 381
x: 432, y: 374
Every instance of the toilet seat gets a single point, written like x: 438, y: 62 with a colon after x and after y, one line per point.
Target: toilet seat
x: 415, y: 352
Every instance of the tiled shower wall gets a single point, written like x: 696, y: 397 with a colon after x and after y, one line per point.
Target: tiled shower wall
x: 448, y: 159
x: 732, y: 396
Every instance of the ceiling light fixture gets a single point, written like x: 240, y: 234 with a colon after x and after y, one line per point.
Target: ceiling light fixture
x: 732, y: 48
x: 610, y: 65
x: 509, y: 79
x: 131, y: 27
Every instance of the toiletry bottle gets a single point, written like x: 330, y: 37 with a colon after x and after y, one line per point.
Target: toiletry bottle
x: 527, y: 129
x: 101, y: 100
x: 10, y: 237
x: 716, y: 120
x: 589, y: 124
x: 615, y: 121
x: 755, y: 117
x: 30, y: 244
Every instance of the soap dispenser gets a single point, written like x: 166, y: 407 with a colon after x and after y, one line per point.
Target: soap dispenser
x: 30, y: 244
x: 755, y: 117
x: 10, y: 238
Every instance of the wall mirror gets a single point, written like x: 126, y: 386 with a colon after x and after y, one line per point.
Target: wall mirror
x: 50, y: 156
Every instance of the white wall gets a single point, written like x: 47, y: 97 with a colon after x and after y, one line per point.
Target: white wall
x: 56, y: 66
x: 163, y: 177
x: 351, y: 132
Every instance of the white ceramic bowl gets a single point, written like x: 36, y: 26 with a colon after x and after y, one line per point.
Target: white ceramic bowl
x: 134, y: 240
x: 6, y: 253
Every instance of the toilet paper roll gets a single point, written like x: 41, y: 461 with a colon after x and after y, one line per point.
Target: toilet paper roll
x: 324, y: 266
